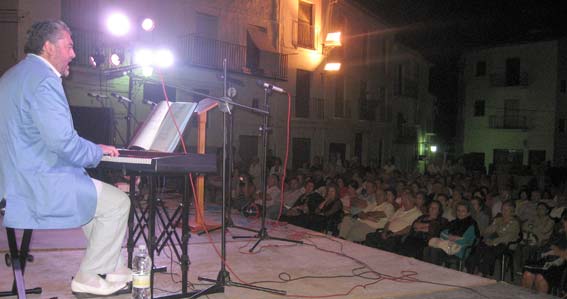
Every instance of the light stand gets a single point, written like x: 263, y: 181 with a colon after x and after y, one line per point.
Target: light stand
x: 223, y: 277
x: 263, y: 232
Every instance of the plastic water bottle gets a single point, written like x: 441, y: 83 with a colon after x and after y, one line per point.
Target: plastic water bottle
x: 141, y: 268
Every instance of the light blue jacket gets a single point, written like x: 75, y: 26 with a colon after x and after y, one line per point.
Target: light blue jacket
x: 42, y: 159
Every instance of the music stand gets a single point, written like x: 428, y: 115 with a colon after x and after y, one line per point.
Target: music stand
x: 202, y: 108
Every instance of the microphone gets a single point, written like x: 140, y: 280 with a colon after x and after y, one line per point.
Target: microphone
x: 269, y: 86
x: 121, y: 98
x: 148, y: 102
x: 96, y: 95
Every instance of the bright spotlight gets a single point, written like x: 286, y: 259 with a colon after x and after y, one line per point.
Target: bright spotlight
x: 118, y: 24
x: 115, y: 59
x: 144, y: 57
x: 147, y: 71
x: 164, y: 58
x: 433, y: 148
x: 148, y: 24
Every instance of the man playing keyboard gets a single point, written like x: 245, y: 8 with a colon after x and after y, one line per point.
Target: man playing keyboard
x: 43, y: 161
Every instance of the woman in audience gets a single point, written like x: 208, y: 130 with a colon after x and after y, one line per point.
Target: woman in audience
x: 497, y: 237
x: 539, y: 228
x: 479, y: 213
x: 329, y: 213
x: 526, y: 205
x: 543, y: 277
x: 423, y: 229
x: 448, y: 212
x: 463, y: 231
x: 535, y: 233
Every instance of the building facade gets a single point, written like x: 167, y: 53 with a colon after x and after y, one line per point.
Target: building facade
x: 377, y: 106
x: 513, y: 106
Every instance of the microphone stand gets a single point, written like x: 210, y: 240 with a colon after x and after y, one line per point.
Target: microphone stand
x: 223, y: 277
x: 263, y: 232
x: 229, y: 126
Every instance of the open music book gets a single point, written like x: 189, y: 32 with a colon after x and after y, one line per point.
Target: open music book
x: 158, y: 132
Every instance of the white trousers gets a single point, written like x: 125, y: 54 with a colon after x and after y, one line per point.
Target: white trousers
x: 105, y: 232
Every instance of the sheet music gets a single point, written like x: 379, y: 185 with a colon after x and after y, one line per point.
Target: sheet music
x: 158, y: 132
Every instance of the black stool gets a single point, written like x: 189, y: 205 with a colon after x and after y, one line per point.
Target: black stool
x: 17, y: 259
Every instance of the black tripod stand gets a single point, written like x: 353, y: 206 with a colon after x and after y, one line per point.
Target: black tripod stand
x: 263, y: 232
x: 229, y: 120
x: 223, y: 277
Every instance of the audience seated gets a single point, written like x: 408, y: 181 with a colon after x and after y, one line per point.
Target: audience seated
x: 526, y: 206
x: 496, y: 238
x: 549, y: 267
x: 478, y: 213
x: 350, y: 193
x: 463, y: 231
x: 292, y: 193
x: 304, y: 206
x: 377, y: 206
x: 423, y: 229
x: 397, y: 227
x: 329, y: 212
x: 535, y: 233
x: 369, y: 220
x: 366, y: 197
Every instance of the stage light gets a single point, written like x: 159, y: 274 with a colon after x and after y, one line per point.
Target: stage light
x: 332, y: 67
x: 118, y: 24
x: 433, y: 148
x: 164, y: 58
x: 147, y: 71
x: 148, y: 24
x: 116, y: 59
x: 96, y: 60
x: 144, y: 57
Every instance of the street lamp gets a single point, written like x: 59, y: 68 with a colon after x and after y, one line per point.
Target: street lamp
x: 332, y: 66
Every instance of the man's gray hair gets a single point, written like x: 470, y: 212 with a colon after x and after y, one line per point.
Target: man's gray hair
x: 43, y: 31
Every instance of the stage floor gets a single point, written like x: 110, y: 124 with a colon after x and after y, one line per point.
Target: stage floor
x: 322, y: 267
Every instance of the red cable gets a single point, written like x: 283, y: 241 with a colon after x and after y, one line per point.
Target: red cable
x: 404, y: 278
x: 197, y: 206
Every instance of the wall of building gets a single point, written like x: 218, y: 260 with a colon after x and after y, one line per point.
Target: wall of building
x: 369, y: 54
x: 560, y: 146
x: 537, y: 100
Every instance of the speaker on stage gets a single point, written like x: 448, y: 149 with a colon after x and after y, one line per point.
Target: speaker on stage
x: 94, y: 123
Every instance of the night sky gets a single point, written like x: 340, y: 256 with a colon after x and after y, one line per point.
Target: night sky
x: 442, y: 29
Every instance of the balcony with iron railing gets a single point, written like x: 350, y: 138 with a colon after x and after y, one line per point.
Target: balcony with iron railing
x: 311, y: 108
x: 303, y: 35
x: 206, y: 52
x: 505, y: 80
x: 193, y: 50
x: 518, y: 122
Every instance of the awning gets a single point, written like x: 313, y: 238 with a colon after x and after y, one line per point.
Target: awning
x: 261, y: 40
